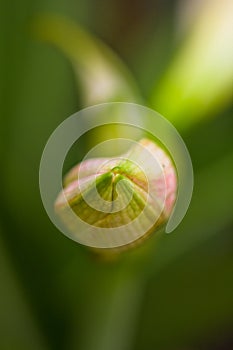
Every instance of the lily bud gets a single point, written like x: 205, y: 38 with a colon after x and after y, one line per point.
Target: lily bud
x: 133, y: 193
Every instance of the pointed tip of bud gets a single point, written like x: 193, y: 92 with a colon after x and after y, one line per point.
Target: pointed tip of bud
x: 139, y: 188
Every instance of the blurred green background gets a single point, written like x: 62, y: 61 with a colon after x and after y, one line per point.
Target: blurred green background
x: 175, y: 291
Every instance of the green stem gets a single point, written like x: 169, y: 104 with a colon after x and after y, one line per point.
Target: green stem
x: 112, y: 311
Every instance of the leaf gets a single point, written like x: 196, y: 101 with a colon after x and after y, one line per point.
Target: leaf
x: 199, y: 80
x: 103, y: 76
x: 18, y: 329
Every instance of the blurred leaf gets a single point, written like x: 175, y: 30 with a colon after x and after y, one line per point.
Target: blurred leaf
x: 18, y: 330
x: 42, y: 97
x: 199, y: 80
x: 102, y: 74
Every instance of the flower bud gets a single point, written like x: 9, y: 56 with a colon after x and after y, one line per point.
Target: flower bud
x: 134, y: 193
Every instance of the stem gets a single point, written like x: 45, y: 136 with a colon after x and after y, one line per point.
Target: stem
x: 112, y: 313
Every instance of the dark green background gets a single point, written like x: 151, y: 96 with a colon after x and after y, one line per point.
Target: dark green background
x: 175, y: 292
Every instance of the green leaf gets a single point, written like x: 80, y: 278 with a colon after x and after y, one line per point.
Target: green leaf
x: 199, y: 80
x: 18, y: 328
x: 102, y: 75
